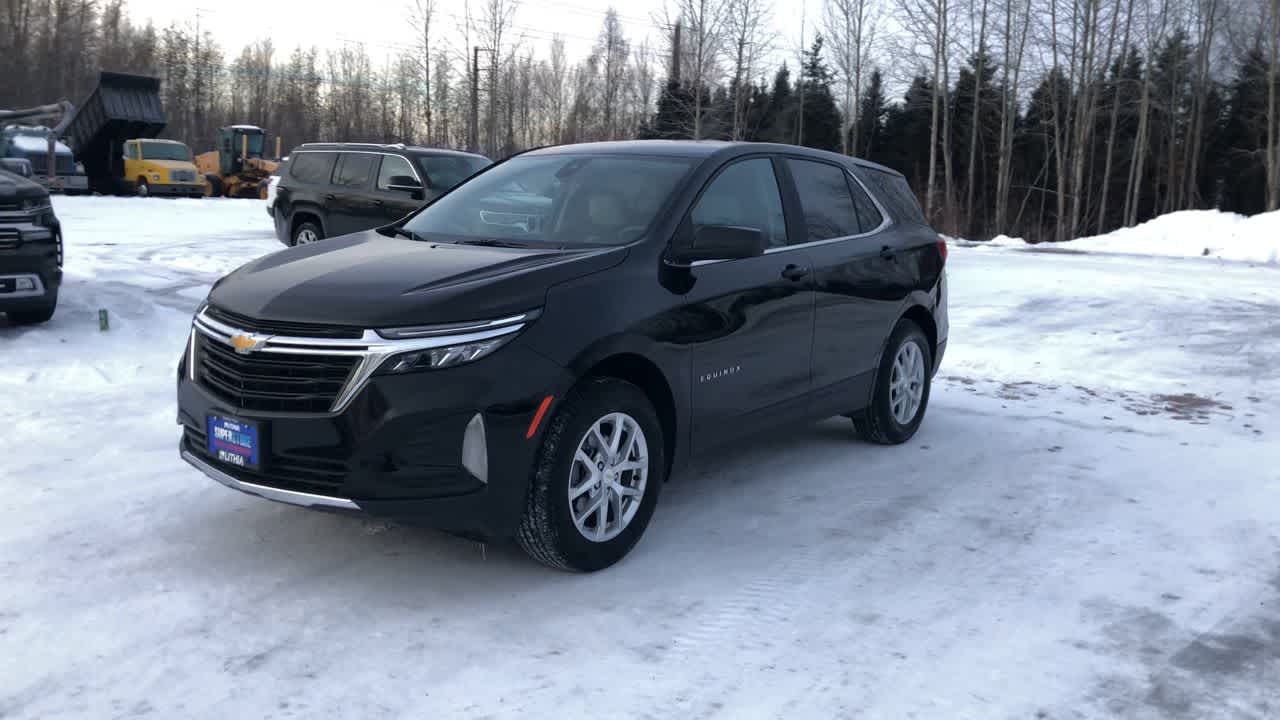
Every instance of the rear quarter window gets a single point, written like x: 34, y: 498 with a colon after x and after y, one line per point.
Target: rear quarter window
x: 311, y: 167
x: 893, y: 192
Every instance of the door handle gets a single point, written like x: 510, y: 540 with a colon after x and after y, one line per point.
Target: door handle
x: 379, y: 203
x: 795, y: 272
x: 330, y: 198
x: 888, y: 253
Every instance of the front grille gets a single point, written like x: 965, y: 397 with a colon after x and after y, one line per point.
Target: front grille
x: 9, y: 239
x: 268, y: 381
x: 271, y: 327
x: 182, y: 175
x: 289, y: 471
x: 12, y: 206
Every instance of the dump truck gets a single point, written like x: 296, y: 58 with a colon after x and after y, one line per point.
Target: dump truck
x: 113, y: 137
x: 52, y: 163
x: 237, y: 168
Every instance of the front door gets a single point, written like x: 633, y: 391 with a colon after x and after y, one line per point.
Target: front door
x: 393, y: 204
x: 748, y: 322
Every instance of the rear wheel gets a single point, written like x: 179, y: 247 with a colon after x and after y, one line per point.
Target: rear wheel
x: 901, y: 392
x: 306, y: 233
x: 596, y: 479
x: 35, y: 317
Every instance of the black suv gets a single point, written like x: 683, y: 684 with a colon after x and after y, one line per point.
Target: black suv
x: 30, y: 251
x: 331, y: 189
x: 535, y: 352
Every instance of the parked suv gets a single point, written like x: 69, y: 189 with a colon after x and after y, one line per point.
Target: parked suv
x: 535, y: 352
x: 30, y: 251
x: 331, y: 189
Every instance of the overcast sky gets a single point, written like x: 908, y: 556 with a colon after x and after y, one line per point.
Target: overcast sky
x: 383, y: 26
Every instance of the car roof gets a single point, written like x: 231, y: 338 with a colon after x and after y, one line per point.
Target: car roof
x: 720, y: 149
x: 397, y: 147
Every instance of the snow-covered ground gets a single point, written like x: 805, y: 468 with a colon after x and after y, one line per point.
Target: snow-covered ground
x: 1188, y: 233
x: 1086, y: 526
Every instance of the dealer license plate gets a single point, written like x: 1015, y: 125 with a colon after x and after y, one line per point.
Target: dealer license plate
x: 234, y: 441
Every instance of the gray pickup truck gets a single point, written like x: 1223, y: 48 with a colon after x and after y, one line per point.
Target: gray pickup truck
x: 30, y: 251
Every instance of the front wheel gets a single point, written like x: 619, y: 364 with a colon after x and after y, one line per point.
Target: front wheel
x: 901, y: 392
x: 596, y: 479
x: 307, y: 233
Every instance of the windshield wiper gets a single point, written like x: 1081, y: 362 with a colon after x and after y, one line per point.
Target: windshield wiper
x: 402, y: 232
x: 491, y: 242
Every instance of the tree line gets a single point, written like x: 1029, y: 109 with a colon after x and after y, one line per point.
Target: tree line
x: 1048, y: 119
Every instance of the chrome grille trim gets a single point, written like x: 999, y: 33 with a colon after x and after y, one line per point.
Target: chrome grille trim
x: 371, y: 348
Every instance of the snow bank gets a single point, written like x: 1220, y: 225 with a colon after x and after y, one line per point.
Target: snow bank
x: 1189, y: 233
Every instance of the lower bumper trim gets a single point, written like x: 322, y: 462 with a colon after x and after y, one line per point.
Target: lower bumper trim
x: 291, y: 497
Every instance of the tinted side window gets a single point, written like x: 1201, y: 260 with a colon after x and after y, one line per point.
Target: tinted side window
x: 311, y: 167
x: 869, y: 217
x: 131, y: 151
x: 824, y: 198
x: 745, y: 194
x: 892, y: 190
x: 354, y: 170
x: 394, y: 166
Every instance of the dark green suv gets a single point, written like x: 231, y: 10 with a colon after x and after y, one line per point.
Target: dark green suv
x: 30, y: 251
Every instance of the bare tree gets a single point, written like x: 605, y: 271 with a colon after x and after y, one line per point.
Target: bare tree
x: 613, y: 50
x: 749, y: 37
x: 421, y: 15
x: 850, y: 27
x: 1017, y: 23
x: 703, y: 27
x: 1273, y: 122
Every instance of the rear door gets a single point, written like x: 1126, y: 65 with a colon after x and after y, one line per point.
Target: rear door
x: 856, y: 302
x: 392, y: 203
x: 350, y: 202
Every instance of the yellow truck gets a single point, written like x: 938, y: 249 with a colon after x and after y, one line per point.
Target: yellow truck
x: 160, y: 167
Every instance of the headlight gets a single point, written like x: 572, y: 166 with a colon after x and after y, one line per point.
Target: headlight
x: 443, y: 357
x: 155, y: 177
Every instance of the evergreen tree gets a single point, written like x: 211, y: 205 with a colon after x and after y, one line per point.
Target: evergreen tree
x: 778, y: 122
x: 821, y: 116
x: 1240, y: 168
x: 869, y: 133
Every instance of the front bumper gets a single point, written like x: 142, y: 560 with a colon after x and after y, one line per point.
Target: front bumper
x: 176, y: 189
x: 396, y: 450
x: 35, y: 256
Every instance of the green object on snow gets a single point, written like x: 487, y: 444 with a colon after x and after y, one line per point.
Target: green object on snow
x: 103, y: 323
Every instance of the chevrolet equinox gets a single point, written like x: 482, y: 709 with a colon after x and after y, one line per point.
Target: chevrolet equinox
x: 534, y: 353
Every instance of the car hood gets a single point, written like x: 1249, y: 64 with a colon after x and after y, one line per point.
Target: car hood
x: 368, y: 280
x: 171, y: 164
x: 16, y: 187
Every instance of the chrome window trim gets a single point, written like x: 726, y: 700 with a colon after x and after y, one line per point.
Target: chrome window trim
x: 885, y: 219
x: 371, y: 348
x: 412, y: 166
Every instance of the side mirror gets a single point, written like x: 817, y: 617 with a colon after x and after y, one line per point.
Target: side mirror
x: 720, y: 242
x: 406, y: 183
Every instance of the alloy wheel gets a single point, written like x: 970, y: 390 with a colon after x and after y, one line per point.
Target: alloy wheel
x: 906, y: 384
x: 608, y: 476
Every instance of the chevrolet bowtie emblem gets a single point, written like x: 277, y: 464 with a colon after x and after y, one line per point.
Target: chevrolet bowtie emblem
x: 245, y: 344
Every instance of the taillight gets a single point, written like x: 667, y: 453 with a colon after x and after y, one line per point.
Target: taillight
x: 942, y: 249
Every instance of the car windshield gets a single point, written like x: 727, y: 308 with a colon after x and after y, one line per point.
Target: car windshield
x: 558, y: 200
x: 445, y: 171
x: 165, y: 151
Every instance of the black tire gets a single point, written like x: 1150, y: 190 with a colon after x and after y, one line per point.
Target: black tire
x: 306, y: 226
x: 876, y: 423
x: 34, y: 317
x: 215, y: 185
x: 142, y: 189
x: 547, y: 532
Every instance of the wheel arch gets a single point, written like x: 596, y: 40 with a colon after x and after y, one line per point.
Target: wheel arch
x: 921, y: 315
x: 645, y: 374
x: 303, y: 213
